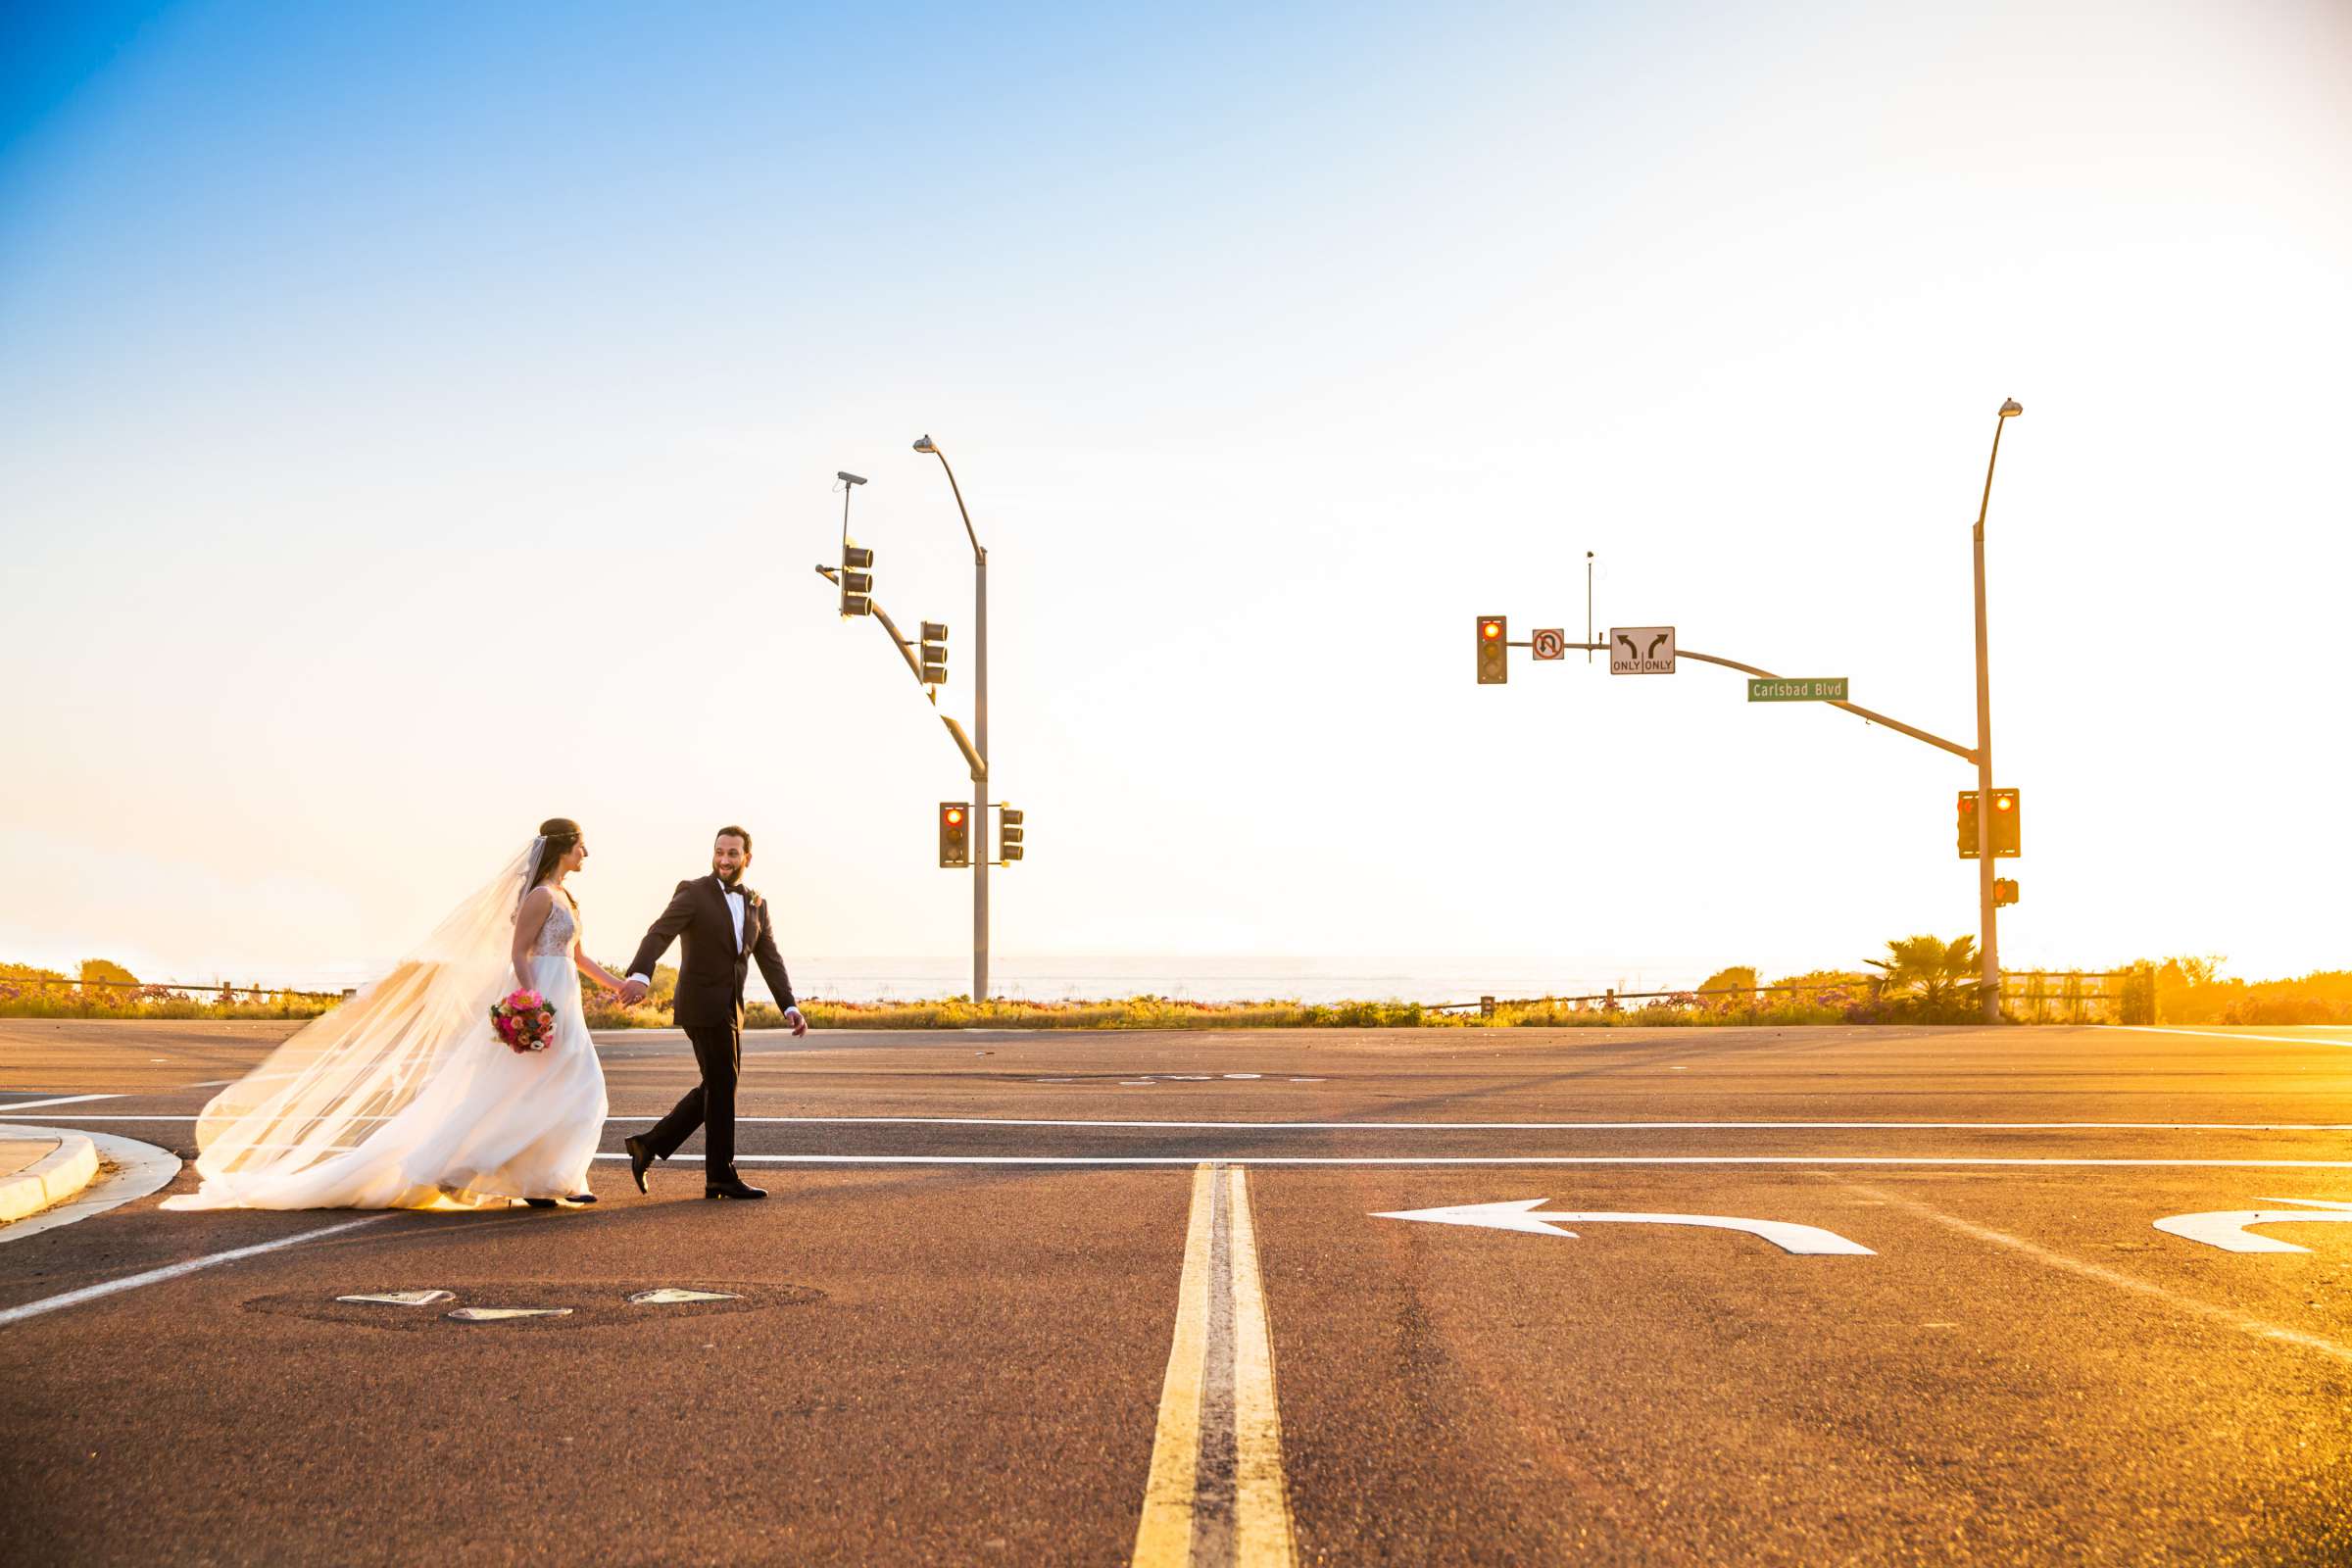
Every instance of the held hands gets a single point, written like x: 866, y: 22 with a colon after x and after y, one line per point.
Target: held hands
x: 800, y: 1025
x: 631, y: 993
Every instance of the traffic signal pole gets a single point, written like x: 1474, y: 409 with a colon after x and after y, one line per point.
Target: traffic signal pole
x: 973, y: 747
x: 1493, y: 638
x: 981, y: 839
x: 980, y: 770
x: 1989, y: 987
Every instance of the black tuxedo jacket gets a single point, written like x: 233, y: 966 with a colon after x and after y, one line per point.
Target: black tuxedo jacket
x: 711, y: 968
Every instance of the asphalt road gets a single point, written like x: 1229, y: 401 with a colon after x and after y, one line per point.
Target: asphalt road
x: 951, y: 1328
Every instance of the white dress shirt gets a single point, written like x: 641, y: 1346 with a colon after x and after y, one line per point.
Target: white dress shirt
x: 734, y: 898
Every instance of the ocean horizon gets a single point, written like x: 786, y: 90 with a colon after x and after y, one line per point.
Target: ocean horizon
x: 1244, y: 978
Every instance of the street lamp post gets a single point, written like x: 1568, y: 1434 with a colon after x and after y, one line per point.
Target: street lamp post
x: 980, y: 831
x: 1989, y: 985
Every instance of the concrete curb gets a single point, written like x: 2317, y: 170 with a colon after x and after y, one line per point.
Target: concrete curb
x: 50, y: 1180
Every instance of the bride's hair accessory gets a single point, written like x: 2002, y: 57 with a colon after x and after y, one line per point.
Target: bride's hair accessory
x: 557, y: 836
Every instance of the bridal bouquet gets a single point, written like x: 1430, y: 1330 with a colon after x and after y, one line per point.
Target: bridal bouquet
x: 525, y: 1019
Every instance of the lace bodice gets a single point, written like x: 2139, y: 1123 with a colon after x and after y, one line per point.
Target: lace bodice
x: 558, y: 934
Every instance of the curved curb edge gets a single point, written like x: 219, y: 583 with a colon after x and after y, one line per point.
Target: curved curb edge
x: 138, y: 1170
x: 50, y: 1180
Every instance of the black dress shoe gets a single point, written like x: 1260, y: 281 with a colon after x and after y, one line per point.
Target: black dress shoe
x: 540, y: 1203
x: 581, y: 1197
x: 733, y: 1187
x: 639, y: 1158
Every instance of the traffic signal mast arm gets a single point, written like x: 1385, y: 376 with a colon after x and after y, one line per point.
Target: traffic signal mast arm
x: 1965, y: 754
x: 963, y: 742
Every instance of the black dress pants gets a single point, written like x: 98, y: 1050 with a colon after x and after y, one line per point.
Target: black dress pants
x: 710, y: 1104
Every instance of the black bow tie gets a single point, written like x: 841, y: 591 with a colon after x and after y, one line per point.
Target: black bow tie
x: 730, y: 887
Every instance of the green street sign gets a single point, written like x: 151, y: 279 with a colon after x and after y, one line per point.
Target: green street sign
x: 1818, y: 689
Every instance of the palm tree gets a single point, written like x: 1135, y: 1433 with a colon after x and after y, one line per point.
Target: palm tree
x: 1935, y: 977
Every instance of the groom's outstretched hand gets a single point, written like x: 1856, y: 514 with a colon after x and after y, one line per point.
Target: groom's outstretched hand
x: 800, y: 1025
x: 632, y: 992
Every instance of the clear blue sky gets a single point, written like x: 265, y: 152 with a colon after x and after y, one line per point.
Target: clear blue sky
x: 378, y: 383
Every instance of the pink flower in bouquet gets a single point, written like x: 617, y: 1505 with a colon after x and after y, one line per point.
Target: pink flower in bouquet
x: 523, y: 1020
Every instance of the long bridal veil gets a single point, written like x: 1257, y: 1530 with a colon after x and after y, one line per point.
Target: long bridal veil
x: 349, y: 1071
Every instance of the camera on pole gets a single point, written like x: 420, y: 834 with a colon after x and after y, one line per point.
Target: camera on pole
x: 856, y: 564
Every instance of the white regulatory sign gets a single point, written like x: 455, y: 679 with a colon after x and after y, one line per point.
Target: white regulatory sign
x: 1552, y: 642
x: 1641, y: 650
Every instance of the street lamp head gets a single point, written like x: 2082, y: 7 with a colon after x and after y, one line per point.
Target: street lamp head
x: 847, y: 477
x: 923, y: 444
x: 2010, y: 407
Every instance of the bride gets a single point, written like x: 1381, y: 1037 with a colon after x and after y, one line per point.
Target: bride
x: 404, y: 1097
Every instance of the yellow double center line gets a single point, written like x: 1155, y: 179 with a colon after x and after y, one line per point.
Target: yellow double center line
x: 1215, y: 1495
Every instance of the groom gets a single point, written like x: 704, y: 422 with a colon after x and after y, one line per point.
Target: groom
x: 725, y: 926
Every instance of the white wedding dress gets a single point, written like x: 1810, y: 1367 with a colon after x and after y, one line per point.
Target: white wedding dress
x: 404, y: 1097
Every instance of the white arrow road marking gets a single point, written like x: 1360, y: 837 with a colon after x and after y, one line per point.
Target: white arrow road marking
x: 672, y: 1295
x: 403, y: 1298
x: 2227, y: 1228
x: 1520, y: 1215
x: 499, y: 1314
x: 2255, y: 1326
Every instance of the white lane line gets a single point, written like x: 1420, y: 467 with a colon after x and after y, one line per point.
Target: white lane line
x: 62, y: 1100
x: 2108, y: 1276
x: 172, y: 1271
x: 1511, y: 1159
x: 1467, y: 1126
x: 2224, y: 1034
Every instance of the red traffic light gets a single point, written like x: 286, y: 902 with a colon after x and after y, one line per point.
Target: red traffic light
x: 954, y: 815
x: 2003, y: 803
x: 1489, y: 629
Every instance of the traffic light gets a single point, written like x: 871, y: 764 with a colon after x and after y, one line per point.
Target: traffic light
x: 2004, y: 890
x: 935, y: 653
x: 1008, y: 833
x: 955, y: 835
x: 1494, y: 651
x: 857, y: 580
x: 2005, y: 814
